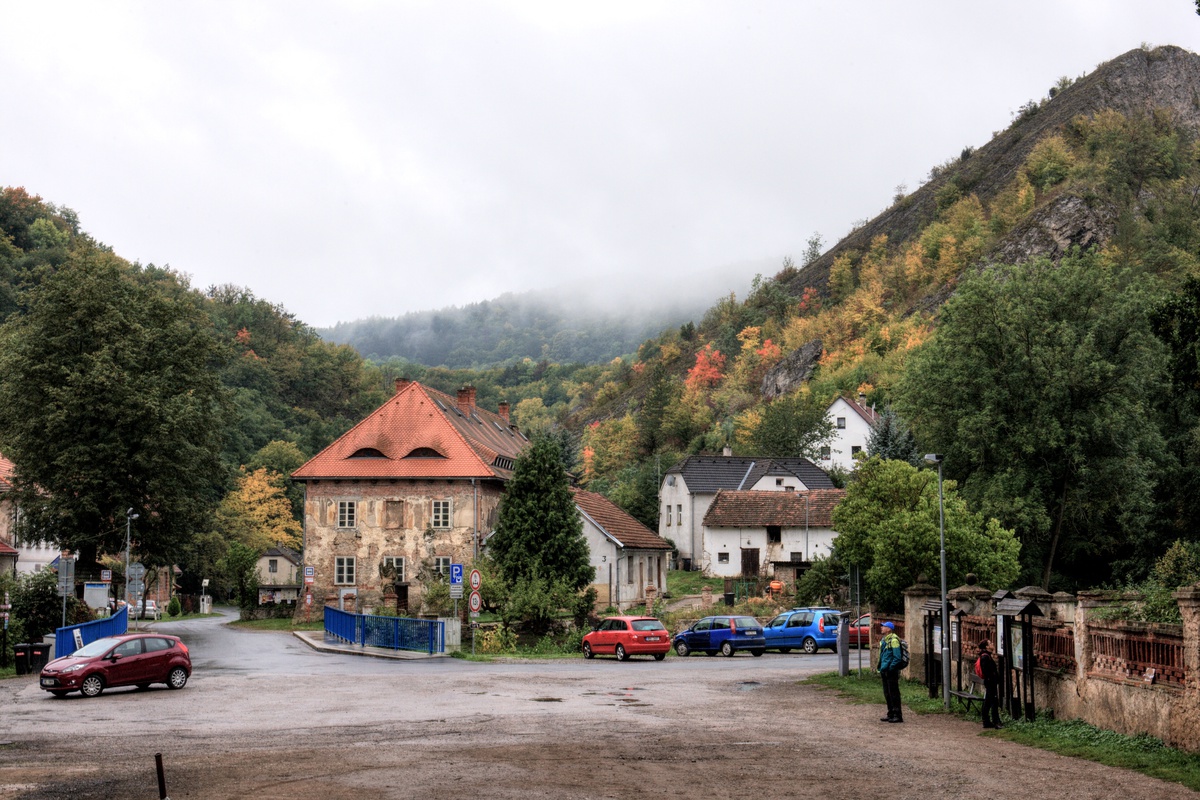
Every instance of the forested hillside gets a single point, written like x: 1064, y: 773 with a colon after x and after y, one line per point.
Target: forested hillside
x: 1032, y: 312
x: 561, y: 327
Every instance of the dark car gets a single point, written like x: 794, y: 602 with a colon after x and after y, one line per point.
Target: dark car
x: 808, y: 629
x: 724, y: 634
x: 628, y: 636
x: 137, y: 659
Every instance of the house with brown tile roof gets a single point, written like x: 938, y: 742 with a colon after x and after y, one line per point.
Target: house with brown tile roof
x: 768, y: 533
x: 630, y: 559
x: 688, y: 489
x: 417, y: 482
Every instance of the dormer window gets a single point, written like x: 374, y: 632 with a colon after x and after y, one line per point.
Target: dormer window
x: 367, y: 452
x: 424, y: 452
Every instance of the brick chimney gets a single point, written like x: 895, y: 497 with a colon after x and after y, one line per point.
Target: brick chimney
x: 502, y: 410
x: 402, y: 384
x: 466, y: 400
x: 862, y: 399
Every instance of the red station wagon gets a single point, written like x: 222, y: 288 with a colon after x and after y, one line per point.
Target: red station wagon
x: 628, y: 636
x: 137, y: 659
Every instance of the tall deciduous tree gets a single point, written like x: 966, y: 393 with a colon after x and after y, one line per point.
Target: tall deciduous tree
x: 111, y: 401
x: 258, y: 513
x: 539, y: 531
x: 792, y: 425
x: 888, y: 526
x: 1040, y: 388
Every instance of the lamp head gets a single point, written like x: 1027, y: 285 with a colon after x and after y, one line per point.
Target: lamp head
x: 933, y: 458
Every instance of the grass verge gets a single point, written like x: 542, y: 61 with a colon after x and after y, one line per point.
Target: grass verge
x: 1076, y: 738
x: 279, y: 624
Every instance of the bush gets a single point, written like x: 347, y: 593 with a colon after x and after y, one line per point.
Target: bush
x: 174, y: 609
x: 497, y: 640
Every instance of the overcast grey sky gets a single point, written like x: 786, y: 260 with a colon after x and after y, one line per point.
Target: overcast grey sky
x: 349, y: 159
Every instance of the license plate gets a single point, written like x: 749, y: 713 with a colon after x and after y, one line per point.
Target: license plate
x: 651, y: 638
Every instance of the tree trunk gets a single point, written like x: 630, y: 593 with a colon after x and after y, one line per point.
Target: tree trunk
x: 1062, y: 512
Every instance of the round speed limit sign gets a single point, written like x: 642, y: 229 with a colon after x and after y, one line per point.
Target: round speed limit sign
x: 475, y: 603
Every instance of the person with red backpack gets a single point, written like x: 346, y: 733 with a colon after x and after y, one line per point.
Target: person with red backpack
x: 985, y: 668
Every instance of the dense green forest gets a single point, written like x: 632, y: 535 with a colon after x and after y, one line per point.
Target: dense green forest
x: 1032, y: 312
x: 561, y: 328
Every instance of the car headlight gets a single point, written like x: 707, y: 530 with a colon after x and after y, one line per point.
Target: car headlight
x: 75, y: 668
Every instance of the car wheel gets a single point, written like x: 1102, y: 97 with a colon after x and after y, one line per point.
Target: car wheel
x: 58, y: 693
x: 757, y: 653
x: 810, y: 645
x: 587, y: 650
x: 659, y: 656
x: 785, y: 650
x: 92, y: 686
x: 177, y: 678
x: 727, y: 649
x: 620, y: 652
x: 681, y: 649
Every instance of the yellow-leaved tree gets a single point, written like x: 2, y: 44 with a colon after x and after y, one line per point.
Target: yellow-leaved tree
x: 258, y: 513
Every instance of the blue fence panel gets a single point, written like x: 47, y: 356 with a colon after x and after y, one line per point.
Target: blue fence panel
x: 64, y: 638
x: 395, y: 633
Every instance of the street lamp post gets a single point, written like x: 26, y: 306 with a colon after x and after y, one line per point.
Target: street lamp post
x: 936, y: 458
x: 129, y: 518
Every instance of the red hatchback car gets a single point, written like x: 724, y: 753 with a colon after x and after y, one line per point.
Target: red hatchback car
x: 628, y: 636
x: 137, y: 659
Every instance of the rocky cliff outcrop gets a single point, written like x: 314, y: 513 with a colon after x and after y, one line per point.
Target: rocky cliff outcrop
x: 792, y: 371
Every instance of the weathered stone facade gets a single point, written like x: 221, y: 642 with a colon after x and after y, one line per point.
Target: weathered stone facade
x: 393, y: 519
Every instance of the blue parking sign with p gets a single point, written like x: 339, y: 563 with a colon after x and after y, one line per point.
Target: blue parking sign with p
x: 456, y: 574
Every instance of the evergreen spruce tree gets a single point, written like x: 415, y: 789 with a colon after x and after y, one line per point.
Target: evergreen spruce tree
x: 891, y: 439
x: 539, y: 532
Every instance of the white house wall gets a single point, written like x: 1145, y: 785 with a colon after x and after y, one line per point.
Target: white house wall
x: 855, y: 434
x: 812, y: 542
x: 686, y: 515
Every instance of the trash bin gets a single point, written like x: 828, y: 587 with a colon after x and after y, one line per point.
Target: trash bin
x: 729, y: 598
x: 39, y: 656
x: 21, y: 658
x: 687, y: 565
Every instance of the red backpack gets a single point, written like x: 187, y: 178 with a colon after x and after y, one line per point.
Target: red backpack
x: 979, y: 667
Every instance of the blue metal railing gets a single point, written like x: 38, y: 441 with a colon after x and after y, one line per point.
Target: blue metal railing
x: 64, y: 638
x: 396, y: 633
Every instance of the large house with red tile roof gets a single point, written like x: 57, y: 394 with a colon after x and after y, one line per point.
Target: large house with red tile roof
x: 417, y: 482
x: 853, y: 421
x: 768, y: 533
x: 17, y: 555
x: 631, y: 561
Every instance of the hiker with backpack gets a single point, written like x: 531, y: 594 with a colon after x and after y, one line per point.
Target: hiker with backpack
x: 985, y: 668
x: 890, y: 664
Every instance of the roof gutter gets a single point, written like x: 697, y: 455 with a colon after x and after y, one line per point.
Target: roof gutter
x: 747, y: 475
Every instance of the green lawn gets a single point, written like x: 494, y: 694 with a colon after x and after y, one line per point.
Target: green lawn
x: 1142, y: 754
x: 680, y: 583
x: 281, y: 624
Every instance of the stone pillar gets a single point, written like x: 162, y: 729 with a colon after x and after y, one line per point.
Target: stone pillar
x: 1085, y: 602
x: 1185, y: 717
x: 706, y: 597
x: 916, y: 596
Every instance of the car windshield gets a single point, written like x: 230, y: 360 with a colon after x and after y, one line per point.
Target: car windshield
x: 647, y: 625
x: 745, y: 622
x: 96, y: 648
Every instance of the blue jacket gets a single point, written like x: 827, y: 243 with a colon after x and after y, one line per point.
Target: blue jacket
x: 889, y: 652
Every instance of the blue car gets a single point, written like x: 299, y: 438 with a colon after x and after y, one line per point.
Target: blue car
x: 807, y: 629
x: 723, y: 634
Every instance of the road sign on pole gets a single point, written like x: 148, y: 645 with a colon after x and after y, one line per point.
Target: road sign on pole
x: 476, y: 580
x: 456, y: 574
x: 475, y: 604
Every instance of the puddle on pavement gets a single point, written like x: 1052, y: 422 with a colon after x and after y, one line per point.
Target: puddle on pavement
x: 625, y: 697
x: 546, y: 699
x: 746, y: 686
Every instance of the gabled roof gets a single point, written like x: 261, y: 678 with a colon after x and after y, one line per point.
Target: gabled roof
x: 616, y: 524
x: 282, y: 552
x: 859, y: 407
x: 5, y: 550
x: 421, y: 433
x: 707, y: 474
x: 785, y: 509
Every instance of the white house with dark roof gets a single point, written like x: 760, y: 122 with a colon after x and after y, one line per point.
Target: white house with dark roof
x: 768, y: 533
x: 689, y: 487
x: 630, y: 559
x: 852, y: 421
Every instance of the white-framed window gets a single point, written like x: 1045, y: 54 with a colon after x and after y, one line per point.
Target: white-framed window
x: 629, y: 570
x: 441, y: 515
x: 722, y: 558
x: 347, y: 514
x: 272, y: 565
x: 841, y: 422
x: 397, y: 563
x: 855, y: 450
x: 343, y: 570
x: 668, y: 515
x: 441, y: 564
x: 678, y: 515
x: 825, y: 453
